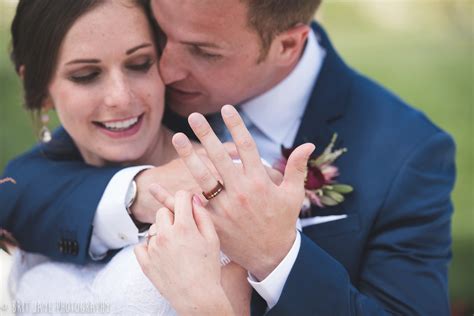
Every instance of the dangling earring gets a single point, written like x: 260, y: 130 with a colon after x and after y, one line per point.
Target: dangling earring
x: 45, y: 133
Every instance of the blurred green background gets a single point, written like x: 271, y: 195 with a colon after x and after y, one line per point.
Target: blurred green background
x: 422, y: 50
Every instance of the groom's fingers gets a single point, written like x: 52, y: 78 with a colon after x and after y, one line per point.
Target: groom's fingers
x: 246, y: 145
x: 216, y: 151
x: 296, y: 167
x: 162, y: 195
x: 201, y: 173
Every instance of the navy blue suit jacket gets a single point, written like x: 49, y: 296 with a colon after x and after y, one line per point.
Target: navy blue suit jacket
x: 390, y: 254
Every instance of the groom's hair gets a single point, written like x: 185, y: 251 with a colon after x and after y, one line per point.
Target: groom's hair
x: 272, y: 17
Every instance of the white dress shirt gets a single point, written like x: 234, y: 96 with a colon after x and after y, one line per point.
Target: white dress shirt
x: 275, y: 117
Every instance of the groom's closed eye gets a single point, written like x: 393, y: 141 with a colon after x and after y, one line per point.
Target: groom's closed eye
x: 200, y: 52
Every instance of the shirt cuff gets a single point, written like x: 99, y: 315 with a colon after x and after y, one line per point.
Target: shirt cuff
x: 271, y: 287
x: 113, y: 227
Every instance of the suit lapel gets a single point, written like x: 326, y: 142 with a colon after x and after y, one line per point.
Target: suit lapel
x: 329, y: 98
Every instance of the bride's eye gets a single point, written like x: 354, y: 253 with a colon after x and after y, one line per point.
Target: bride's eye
x: 84, y: 77
x: 142, y: 66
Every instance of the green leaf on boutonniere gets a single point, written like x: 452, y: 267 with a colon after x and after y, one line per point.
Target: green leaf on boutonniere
x: 335, y: 196
x: 326, y: 200
x: 342, y: 188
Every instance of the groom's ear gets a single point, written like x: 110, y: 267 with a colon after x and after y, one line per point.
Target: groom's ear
x: 290, y: 44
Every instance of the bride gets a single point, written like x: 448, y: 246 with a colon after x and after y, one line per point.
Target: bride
x: 94, y: 63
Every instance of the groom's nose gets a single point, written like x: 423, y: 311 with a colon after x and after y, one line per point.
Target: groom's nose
x: 172, y: 64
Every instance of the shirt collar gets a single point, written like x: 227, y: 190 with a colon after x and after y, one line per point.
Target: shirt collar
x: 276, y: 111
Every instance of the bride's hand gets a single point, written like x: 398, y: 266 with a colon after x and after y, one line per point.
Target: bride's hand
x: 182, y: 259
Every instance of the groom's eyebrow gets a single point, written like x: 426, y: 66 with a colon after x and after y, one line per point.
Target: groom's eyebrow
x: 134, y: 49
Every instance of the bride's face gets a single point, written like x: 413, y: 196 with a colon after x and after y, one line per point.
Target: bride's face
x: 106, y: 87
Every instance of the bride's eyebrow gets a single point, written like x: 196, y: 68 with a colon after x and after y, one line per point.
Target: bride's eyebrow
x: 134, y: 49
x: 83, y: 61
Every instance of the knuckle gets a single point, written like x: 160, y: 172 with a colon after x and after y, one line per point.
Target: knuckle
x: 204, y: 131
x: 259, y: 185
x: 301, y: 167
x: 204, y: 177
x: 233, y: 121
x: 220, y: 155
x: 245, y: 143
x: 242, y: 198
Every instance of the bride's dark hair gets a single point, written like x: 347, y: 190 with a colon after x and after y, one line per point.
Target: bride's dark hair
x: 37, y: 31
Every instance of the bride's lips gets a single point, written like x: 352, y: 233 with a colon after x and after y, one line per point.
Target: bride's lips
x: 121, y: 128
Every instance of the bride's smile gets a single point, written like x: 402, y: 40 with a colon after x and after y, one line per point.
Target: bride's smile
x: 109, y: 98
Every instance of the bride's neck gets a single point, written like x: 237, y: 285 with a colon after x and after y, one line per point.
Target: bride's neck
x: 159, y: 153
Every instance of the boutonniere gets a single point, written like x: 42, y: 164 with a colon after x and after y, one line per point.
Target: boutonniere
x: 320, y: 186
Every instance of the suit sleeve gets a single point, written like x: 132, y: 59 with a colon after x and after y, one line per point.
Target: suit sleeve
x: 51, y: 208
x: 404, y: 268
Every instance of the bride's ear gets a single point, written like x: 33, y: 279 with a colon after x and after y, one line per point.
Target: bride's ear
x: 21, y: 72
x: 47, y: 104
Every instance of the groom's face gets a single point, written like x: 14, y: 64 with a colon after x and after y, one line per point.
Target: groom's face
x: 210, y: 56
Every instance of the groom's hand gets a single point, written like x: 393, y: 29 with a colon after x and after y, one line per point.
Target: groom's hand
x: 174, y: 176
x: 254, y: 217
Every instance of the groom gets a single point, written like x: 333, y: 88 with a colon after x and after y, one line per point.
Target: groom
x: 388, y: 249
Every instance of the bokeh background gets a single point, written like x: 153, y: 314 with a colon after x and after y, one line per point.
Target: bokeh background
x: 423, y: 50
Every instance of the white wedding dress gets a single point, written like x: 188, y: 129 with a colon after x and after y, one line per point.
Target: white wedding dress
x: 119, y: 287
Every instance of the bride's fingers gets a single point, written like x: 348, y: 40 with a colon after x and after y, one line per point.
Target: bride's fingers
x: 164, y: 219
x: 162, y: 195
x: 183, y: 209
x: 143, y: 258
x: 203, y: 220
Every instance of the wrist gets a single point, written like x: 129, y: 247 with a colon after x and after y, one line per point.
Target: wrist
x: 135, y: 205
x: 206, y: 302
x: 270, y: 261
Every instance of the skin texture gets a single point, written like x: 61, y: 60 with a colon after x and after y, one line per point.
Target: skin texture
x: 257, y: 236
x: 211, y: 56
x: 188, y: 233
x: 94, y: 82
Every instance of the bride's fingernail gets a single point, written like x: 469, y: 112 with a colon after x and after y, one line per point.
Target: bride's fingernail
x: 197, y: 200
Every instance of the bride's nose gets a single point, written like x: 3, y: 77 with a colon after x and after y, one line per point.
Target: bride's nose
x: 117, y: 91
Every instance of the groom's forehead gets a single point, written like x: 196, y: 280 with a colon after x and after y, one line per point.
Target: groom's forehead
x: 191, y: 20
x: 214, y: 12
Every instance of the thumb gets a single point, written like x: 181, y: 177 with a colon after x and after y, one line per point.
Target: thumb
x: 203, y: 220
x: 296, y: 167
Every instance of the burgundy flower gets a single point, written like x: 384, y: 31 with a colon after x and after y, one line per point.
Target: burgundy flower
x: 314, y: 179
x: 320, y: 187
